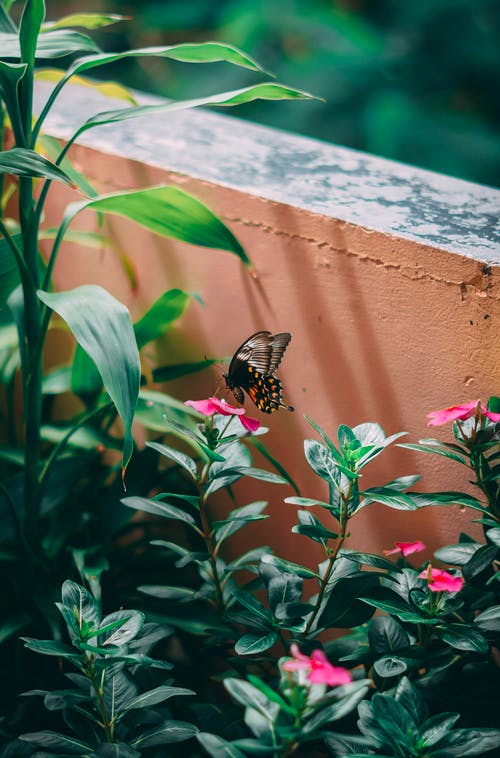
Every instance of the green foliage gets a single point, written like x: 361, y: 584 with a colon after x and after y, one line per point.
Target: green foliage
x: 107, y: 652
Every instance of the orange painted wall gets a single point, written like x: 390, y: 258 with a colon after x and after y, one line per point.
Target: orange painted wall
x: 384, y: 329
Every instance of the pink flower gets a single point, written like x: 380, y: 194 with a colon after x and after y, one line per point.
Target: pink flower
x: 406, y: 548
x: 319, y: 667
x: 213, y: 405
x: 441, y: 581
x: 460, y: 413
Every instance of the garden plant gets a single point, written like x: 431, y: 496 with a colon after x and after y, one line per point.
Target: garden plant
x: 363, y: 654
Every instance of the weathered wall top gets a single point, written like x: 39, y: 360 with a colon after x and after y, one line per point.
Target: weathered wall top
x: 337, y: 182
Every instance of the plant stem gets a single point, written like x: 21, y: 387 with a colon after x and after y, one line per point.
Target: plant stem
x: 209, y: 540
x: 106, y: 721
x: 32, y: 368
x: 344, y: 520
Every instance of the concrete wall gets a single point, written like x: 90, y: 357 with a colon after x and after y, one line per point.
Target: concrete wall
x: 387, y: 277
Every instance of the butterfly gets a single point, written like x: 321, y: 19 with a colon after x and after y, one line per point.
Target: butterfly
x: 252, y: 369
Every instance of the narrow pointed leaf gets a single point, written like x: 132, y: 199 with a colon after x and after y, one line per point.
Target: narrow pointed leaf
x: 103, y: 328
x: 160, y: 316
x: 167, y: 211
x: 51, y: 44
x: 84, y: 20
x: 25, y: 162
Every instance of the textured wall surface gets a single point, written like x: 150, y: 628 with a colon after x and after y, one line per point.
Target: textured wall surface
x: 387, y: 277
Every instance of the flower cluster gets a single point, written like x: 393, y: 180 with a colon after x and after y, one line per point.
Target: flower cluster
x: 319, y: 668
x: 441, y: 581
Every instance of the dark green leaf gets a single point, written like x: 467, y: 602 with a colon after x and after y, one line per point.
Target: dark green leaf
x: 390, y: 665
x: 353, y: 694
x: 463, y: 637
x: 166, y: 733
x: 436, y: 727
x: 183, y: 594
x: 386, y: 635
x: 368, y: 559
x: 49, y: 647
x: 489, y: 620
x: 388, y: 496
x: 251, y: 644
x: 344, y: 607
x: 217, y: 747
x: 131, y: 624
x: 273, y: 461
x: 289, y: 567
x: 434, y: 446
x: 457, y: 555
x: 166, y: 510
x: 155, y: 696
x: 56, y: 741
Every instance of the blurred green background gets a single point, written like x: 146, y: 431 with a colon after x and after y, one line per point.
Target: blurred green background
x: 413, y: 80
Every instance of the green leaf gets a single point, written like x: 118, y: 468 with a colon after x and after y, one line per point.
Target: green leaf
x: 390, y: 665
x: 387, y: 496
x: 289, y: 567
x: 49, y: 647
x: 166, y: 510
x: 85, y: 20
x: 307, y: 502
x: 264, y: 476
x: 131, y: 623
x: 434, y: 446
x: 167, y: 211
x: 29, y: 29
x: 386, y: 635
x: 249, y: 696
x: 368, y: 559
x: 24, y: 162
x: 400, y: 609
x: 352, y: 695
x: 80, y: 603
x: 11, y: 75
x: 436, y: 727
x: 166, y: 733
x: 493, y: 535
x: 103, y: 328
x: 51, y: 44
x: 165, y: 592
x: 217, y: 747
x: 463, y: 637
x: 252, y: 644
x: 55, y: 741
x: 311, y: 527
x: 182, y: 460
x: 457, y: 555
x: 489, y: 620
x: 160, y: 316
x: 257, y: 443
x: 323, y: 463
x: 237, y: 519
x: 422, y: 499
x: 344, y: 607
x: 155, y: 696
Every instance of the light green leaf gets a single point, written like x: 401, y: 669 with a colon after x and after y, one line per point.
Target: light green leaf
x: 160, y: 316
x: 25, y: 162
x: 183, y: 460
x: 52, y: 44
x: 85, y: 20
x: 167, y: 211
x: 252, y: 644
x: 176, y: 370
x: 31, y: 21
x: 103, y: 328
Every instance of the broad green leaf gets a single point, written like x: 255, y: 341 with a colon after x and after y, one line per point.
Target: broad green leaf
x: 325, y: 465
x: 368, y: 559
x: 167, y: 211
x: 103, y: 328
x: 464, y: 637
x: 123, y: 626
x: 249, y: 696
x: 344, y: 607
x: 264, y: 476
x: 25, y: 162
x: 166, y: 510
x: 289, y: 567
x: 183, y: 460
x: 335, y: 711
x: 165, y: 733
x: 155, y: 696
x: 400, y: 609
x: 489, y: 620
x: 80, y: 603
x: 160, y: 316
x: 85, y: 20
x: 252, y: 644
x: 51, y: 44
x: 457, y: 555
x: 55, y: 741
x: 311, y: 527
x: 49, y: 647
x: 422, y: 499
x: 388, y: 496
x: 386, y: 635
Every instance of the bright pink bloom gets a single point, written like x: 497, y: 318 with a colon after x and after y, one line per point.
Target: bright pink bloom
x: 319, y: 667
x: 442, y: 581
x: 406, y: 548
x: 214, y: 405
x: 460, y: 413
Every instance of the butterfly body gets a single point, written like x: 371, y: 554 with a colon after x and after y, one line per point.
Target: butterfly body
x: 252, y: 370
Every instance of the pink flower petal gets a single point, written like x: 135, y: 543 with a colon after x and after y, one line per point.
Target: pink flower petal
x: 492, y: 416
x: 206, y: 407
x: 294, y: 665
x: 250, y: 424
x: 407, y: 548
x: 442, y: 581
x: 225, y: 409
x: 295, y: 651
x: 454, y: 413
x: 331, y: 675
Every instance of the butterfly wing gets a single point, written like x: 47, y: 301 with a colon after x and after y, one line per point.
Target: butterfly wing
x: 252, y: 368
